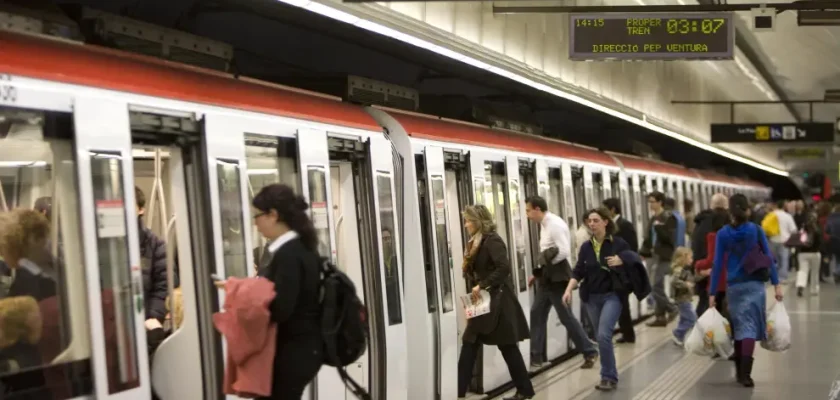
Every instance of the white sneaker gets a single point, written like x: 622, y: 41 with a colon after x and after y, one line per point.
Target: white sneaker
x: 677, y: 342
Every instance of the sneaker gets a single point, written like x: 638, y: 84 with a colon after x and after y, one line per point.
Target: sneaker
x: 536, y: 366
x: 589, y: 362
x: 606, y: 386
x: 677, y: 341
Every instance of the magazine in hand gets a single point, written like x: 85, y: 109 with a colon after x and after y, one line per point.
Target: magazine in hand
x: 476, y: 308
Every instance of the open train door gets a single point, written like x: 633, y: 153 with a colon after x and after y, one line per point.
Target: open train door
x: 111, y: 249
x: 518, y: 245
x: 446, y: 359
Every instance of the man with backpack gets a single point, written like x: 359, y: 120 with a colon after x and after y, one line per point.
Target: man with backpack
x: 778, y: 225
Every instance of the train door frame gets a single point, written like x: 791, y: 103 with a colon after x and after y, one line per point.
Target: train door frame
x: 681, y: 196
x: 102, y: 130
x: 176, y: 369
x: 588, y: 187
x: 627, y: 212
x: 460, y: 194
x: 606, y: 185
x: 638, y: 202
x: 446, y: 359
x: 519, y: 247
x: 567, y: 175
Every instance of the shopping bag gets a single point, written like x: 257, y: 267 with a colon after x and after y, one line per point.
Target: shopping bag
x: 716, y: 332
x: 475, y: 308
x: 695, y: 343
x: 778, y: 329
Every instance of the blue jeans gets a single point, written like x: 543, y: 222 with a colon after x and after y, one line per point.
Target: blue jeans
x: 548, y: 295
x: 687, y: 320
x: 782, y: 255
x: 605, y: 308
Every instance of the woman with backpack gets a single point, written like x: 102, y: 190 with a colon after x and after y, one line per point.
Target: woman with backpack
x: 295, y: 269
x: 748, y: 265
x: 487, y: 267
x: 808, y: 244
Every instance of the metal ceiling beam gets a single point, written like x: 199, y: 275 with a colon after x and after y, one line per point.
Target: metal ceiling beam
x: 704, y: 6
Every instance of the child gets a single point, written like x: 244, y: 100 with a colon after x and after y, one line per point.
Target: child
x: 682, y: 289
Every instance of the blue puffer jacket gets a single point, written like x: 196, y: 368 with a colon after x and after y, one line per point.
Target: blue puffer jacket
x: 153, y: 260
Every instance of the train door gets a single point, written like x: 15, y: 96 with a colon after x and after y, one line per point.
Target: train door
x: 111, y: 248
x: 639, y: 206
x: 162, y: 141
x: 623, y: 192
x: 660, y: 185
x: 647, y: 186
x: 615, y: 191
x: 590, y: 198
x: 680, y: 196
x: 41, y: 168
x: 459, y: 195
x: 550, y: 188
x: 368, y: 234
x: 606, y: 187
x: 598, y: 189
x: 573, y: 183
x: 439, y: 273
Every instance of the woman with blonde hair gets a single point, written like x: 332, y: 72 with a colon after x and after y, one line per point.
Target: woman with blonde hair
x: 487, y: 267
x: 23, y: 239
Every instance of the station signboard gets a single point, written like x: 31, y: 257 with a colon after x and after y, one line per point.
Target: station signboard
x: 810, y: 132
x: 652, y: 36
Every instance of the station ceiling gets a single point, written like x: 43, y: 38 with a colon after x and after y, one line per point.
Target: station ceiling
x: 291, y: 46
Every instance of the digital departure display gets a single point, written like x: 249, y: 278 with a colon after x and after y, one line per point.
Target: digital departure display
x: 652, y: 36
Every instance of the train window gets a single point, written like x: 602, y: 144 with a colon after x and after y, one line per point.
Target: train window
x: 36, y: 163
x: 389, y: 248
x: 641, y: 201
x: 317, y: 177
x: 597, y: 192
x: 444, y: 259
x: 230, y: 208
x: 115, y: 271
x: 555, y: 202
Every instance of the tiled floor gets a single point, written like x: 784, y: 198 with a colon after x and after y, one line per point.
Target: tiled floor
x: 655, y: 369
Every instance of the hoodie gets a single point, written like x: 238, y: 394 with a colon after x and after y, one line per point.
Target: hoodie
x: 735, y: 242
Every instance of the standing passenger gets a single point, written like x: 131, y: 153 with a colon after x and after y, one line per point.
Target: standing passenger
x: 627, y: 232
x: 659, y: 245
x: 487, y: 267
x: 552, y: 274
x: 295, y: 269
x: 153, y: 260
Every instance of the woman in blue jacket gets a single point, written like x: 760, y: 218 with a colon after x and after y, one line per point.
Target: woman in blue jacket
x: 600, y: 282
x: 745, y: 291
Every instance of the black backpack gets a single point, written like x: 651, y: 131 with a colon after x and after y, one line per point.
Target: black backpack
x: 344, y: 327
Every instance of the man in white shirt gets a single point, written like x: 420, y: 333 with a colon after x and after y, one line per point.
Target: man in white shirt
x: 552, y: 273
x: 787, y: 227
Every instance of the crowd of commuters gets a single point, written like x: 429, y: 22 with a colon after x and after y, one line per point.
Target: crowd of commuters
x: 708, y: 254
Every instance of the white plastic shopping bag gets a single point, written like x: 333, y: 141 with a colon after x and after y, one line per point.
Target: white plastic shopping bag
x: 716, y: 332
x: 778, y: 329
x: 473, y: 308
x: 694, y: 343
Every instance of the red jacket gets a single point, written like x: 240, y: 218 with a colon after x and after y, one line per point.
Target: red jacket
x: 708, y: 263
x: 251, y: 336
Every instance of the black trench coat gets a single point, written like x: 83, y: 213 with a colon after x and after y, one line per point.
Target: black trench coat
x: 505, y: 323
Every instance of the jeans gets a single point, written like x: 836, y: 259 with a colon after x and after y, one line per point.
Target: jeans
x: 662, y: 303
x: 782, y: 255
x: 605, y: 308
x: 687, y: 320
x: 548, y: 295
x: 513, y: 359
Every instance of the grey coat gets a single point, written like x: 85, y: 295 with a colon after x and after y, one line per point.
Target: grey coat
x: 505, y: 323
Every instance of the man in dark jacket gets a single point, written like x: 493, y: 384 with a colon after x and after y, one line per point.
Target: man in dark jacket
x: 707, y: 222
x: 153, y: 261
x: 658, y: 248
x: 626, y: 231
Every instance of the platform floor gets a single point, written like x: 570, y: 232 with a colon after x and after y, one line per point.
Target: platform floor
x: 655, y: 369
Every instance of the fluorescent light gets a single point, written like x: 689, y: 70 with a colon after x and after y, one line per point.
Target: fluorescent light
x: 15, y: 164
x: 334, y: 13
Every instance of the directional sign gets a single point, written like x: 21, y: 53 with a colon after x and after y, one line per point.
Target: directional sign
x: 775, y: 132
x: 802, y: 154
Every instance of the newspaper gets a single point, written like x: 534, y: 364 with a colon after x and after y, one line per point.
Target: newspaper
x: 476, y: 308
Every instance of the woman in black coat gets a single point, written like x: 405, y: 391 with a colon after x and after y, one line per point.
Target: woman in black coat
x: 487, y: 267
x: 295, y: 270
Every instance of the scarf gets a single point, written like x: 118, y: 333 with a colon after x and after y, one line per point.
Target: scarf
x: 469, y: 256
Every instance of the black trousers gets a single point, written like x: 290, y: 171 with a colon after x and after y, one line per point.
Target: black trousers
x: 625, y: 320
x: 513, y: 359
x: 703, y: 297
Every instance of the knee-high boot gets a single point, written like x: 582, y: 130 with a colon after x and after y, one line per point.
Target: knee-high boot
x: 736, y: 357
x: 746, y: 372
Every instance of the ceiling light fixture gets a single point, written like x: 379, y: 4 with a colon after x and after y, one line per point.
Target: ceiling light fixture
x: 334, y: 13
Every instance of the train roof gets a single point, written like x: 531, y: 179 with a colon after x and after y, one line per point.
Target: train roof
x: 88, y: 65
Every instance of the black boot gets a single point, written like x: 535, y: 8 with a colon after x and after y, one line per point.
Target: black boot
x: 745, y: 371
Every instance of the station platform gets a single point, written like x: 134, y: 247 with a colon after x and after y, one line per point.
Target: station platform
x: 654, y: 368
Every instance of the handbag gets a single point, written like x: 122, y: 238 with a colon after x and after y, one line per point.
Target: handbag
x: 757, y: 264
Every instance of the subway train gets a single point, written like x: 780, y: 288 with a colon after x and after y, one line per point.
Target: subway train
x: 84, y: 125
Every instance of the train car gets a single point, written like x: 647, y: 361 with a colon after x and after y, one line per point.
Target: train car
x: 82, y: 126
